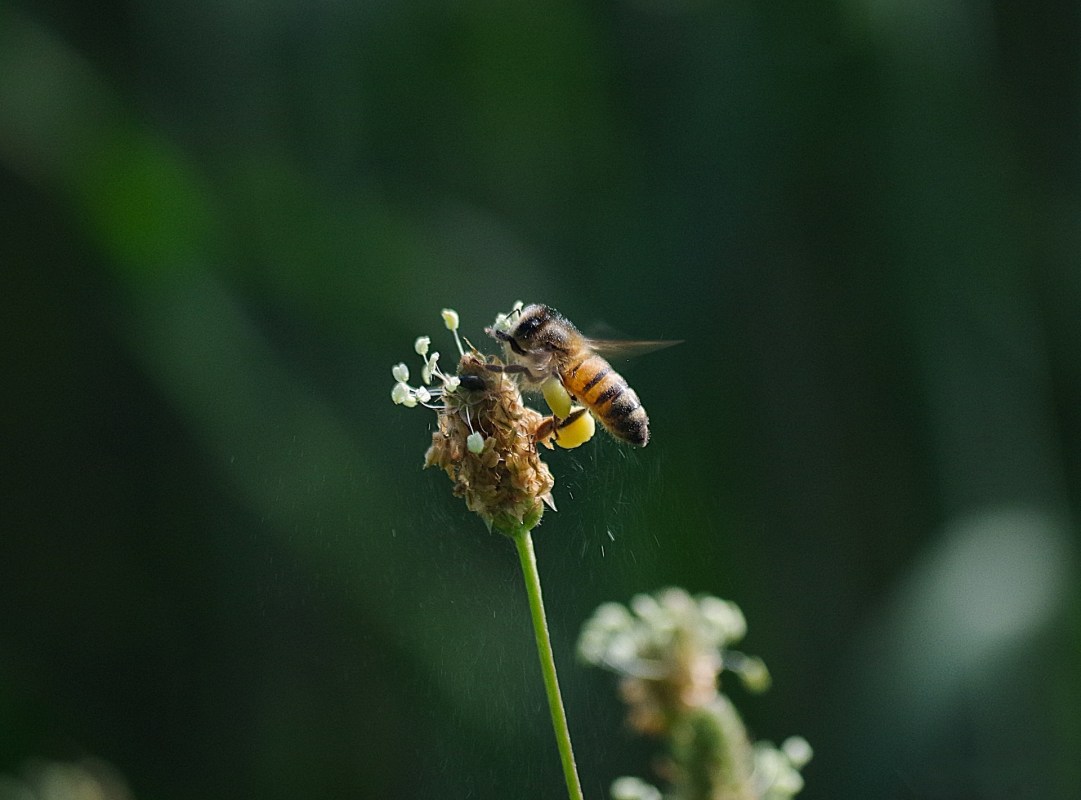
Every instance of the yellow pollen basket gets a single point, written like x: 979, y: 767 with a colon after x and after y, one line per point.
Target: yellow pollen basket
x: 556, y: 397
x: 578, y: 432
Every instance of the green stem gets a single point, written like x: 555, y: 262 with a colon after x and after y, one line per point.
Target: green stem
x: 524, y: 542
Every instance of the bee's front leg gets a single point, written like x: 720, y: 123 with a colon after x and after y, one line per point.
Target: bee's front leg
x: 517, y: 369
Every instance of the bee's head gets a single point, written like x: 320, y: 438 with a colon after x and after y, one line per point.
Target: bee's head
x: 528, y: 331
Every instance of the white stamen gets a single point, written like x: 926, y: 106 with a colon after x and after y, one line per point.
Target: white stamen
x: 400, y: 393
x: 450, y: 319
x: 430, y: 368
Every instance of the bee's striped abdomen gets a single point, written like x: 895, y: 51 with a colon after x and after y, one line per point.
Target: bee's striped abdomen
x: 604, y: 391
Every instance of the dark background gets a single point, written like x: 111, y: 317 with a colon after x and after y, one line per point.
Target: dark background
x: 221, y: 566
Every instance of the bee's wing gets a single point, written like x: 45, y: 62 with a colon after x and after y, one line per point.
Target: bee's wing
x: 629, y: 348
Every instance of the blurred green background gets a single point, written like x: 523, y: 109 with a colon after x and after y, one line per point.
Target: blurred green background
x: 222, y: 568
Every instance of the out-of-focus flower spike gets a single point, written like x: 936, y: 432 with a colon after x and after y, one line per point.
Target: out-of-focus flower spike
x: 670, y: 649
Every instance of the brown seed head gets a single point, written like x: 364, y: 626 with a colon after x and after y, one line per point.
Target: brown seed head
x: 504, y: 481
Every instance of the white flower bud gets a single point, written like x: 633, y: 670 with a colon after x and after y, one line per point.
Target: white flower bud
x: 646, y: 607
x: 622, y: 649
x: 592, y: 645
x: 400, y: 393
x: 788, y: 783
x: 628, y: 788
x: 612, y: 616
x: 450, y: 318
x: 400, y: 372
x: 798, y: 750
x: 475, y: 442
x: 423, y: 395
x: 725, y: 617
x: 754, y: 675
x: 421, y: 345
x: 429, y: 368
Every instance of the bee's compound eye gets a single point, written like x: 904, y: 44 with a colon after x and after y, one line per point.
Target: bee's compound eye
x: 473, y: 383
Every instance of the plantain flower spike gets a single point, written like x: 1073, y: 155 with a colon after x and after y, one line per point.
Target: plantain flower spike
x: 485, y: 438
x: 670, y: 649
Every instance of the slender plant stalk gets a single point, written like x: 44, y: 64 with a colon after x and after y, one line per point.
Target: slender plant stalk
x: 524, y: 542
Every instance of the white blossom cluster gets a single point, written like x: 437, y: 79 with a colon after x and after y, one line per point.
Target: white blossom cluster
x: 637, y: 641
x: 409, y: 396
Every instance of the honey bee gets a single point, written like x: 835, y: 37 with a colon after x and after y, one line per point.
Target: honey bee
x: 545, y: 345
